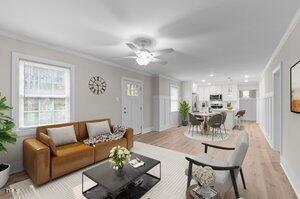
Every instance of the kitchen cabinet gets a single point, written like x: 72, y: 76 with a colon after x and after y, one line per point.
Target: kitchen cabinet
x: 229, y: 92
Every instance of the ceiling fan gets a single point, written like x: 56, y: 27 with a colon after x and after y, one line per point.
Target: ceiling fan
x: 144, y: 56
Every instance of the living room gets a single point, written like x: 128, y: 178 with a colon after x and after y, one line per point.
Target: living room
x: 78, y: 79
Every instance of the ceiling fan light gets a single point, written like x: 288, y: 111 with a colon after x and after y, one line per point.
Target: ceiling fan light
x: 143, y: 61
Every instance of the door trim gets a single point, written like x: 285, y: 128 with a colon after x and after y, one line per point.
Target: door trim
x: 278, y: 69
x: 142, y: 98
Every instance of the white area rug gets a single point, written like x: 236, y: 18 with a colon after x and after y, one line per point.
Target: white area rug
x: 207, y: 138
x: 172, y: 184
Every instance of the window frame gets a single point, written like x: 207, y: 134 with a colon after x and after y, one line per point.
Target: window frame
x: 16, y: 58
x: 178, y: 99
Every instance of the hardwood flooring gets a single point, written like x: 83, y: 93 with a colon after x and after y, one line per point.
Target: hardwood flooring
x: 264, y: 176
x: 265, y: 179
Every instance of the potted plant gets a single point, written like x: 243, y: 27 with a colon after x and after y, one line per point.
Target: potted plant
x: 184, y: 109
x: 6, y: 136
x: 119, y: 157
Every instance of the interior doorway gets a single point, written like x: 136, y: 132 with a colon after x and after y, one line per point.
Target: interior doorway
x: 277, y: 108
x: 132, y: 104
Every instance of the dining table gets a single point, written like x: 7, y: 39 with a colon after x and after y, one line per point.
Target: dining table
x: 205, y: 116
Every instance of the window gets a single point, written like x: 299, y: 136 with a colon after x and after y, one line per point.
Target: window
x: 43, y: 93
x: 174, y: 98
x: 132, y: 89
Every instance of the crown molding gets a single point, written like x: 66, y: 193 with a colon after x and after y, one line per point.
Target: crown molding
x: 70, y: 52
x: 167, y: 77
x: 283, y: 40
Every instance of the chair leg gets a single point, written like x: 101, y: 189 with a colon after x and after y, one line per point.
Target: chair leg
x: 190, y: 129
x: 189, y: 174
x: 225, y: 129
x: 243, y: 179
x: 221, y: 133
x: 236, y: 191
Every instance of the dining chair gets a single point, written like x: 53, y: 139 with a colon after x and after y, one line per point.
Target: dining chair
x: 226, y: 171
x: 224, y: 116
x: 194, y: 122
x: 215, y: 123
x: 239, y: 115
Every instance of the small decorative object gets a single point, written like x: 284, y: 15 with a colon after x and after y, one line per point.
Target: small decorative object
x: 6, y: 136
x: 184, y: 109
x: 119, y: 157
x: 97, y: 85
x: 295, y: 88
x: 205, y: 177
x: 229, y: 106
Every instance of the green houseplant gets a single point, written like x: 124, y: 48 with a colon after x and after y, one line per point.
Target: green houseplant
x: 6, y: 136
x: 184, y: 109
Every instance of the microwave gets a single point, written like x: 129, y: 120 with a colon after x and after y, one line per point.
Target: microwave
x: 215, y: 97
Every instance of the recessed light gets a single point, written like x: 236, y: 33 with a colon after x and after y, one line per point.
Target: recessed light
x: 203, y: 80
x: 245, y: 80
x: 212, y: 75
x: 246, y: 76
x: 208, y: 84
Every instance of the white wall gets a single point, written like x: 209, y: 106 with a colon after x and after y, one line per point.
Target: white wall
x: 163, y: 117
x: 288, y: 53
x: 87, y: 105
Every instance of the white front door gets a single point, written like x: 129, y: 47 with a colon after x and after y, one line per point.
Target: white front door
x: 132, y: 104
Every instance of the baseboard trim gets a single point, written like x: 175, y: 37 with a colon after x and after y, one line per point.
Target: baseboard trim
x: 290, y: 175
x: 265, y: 135
x: 148, y: 129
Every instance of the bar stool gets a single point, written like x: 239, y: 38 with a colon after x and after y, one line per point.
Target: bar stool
x: 240, y: 114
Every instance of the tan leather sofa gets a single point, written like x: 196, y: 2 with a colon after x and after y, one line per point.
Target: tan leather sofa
x: 43, y: 161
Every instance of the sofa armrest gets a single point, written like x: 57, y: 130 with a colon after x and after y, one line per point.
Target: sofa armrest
x: 129, y: 136
x: 36, y: 160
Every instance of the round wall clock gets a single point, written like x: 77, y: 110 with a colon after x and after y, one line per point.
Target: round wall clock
x: 97, y: 85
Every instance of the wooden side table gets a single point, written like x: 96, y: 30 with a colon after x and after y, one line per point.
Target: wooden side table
x: 189, y: 195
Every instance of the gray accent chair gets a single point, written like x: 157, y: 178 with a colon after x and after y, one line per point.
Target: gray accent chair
x: 194, y: 122
x: 215, y: 123
x: 226, y: 171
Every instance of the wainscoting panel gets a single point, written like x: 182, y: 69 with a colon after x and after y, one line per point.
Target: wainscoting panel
x: 265, y: 108
x: 163, y: 118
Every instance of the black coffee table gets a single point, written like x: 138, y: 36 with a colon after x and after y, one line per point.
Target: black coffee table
x: 113, y: 184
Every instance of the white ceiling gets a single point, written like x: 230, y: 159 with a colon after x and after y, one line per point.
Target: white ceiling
x: 225, y: 37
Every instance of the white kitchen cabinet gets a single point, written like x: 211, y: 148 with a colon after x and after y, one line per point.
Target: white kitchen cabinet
x: 205, y: 91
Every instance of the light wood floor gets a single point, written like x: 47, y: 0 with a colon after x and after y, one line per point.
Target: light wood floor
x: 264, y: 176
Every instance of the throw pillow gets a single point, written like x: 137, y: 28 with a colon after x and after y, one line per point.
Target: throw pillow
x: 98, y: 128
x: 62, y: 135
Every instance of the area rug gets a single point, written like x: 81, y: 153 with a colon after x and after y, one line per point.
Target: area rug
x: 207, y: 138
x: 172, y: 184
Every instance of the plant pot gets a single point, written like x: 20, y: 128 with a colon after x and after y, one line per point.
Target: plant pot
x: 4, y: 174
x: 184, y: 122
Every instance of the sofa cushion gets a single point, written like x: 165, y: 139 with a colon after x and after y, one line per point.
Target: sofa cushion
x: 98, y: 128
x: 62, y: 135
x: 102, y: 149
x: 71, y: 157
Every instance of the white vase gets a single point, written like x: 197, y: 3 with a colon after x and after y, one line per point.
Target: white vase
x: 4, y: 175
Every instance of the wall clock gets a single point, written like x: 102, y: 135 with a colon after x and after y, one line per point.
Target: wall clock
x: 97, y: 85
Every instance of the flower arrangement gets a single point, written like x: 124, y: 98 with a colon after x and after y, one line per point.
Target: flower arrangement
x: 205, y: 176
x: 119, y: 157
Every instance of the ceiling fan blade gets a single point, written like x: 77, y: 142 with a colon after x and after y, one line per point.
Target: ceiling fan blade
x: 163, y: 51
x: 158, y: 61
x: 126, y: 57
x: 132, y: 47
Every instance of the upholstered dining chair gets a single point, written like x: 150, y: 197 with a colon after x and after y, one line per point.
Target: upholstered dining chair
x: 224, y: 116
x: 215, y: 123
x: 226, y: 171
x: 194, y: 122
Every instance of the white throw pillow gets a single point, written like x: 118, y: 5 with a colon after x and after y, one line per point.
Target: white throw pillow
x: 98, y: 128
x: 62, y: 135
